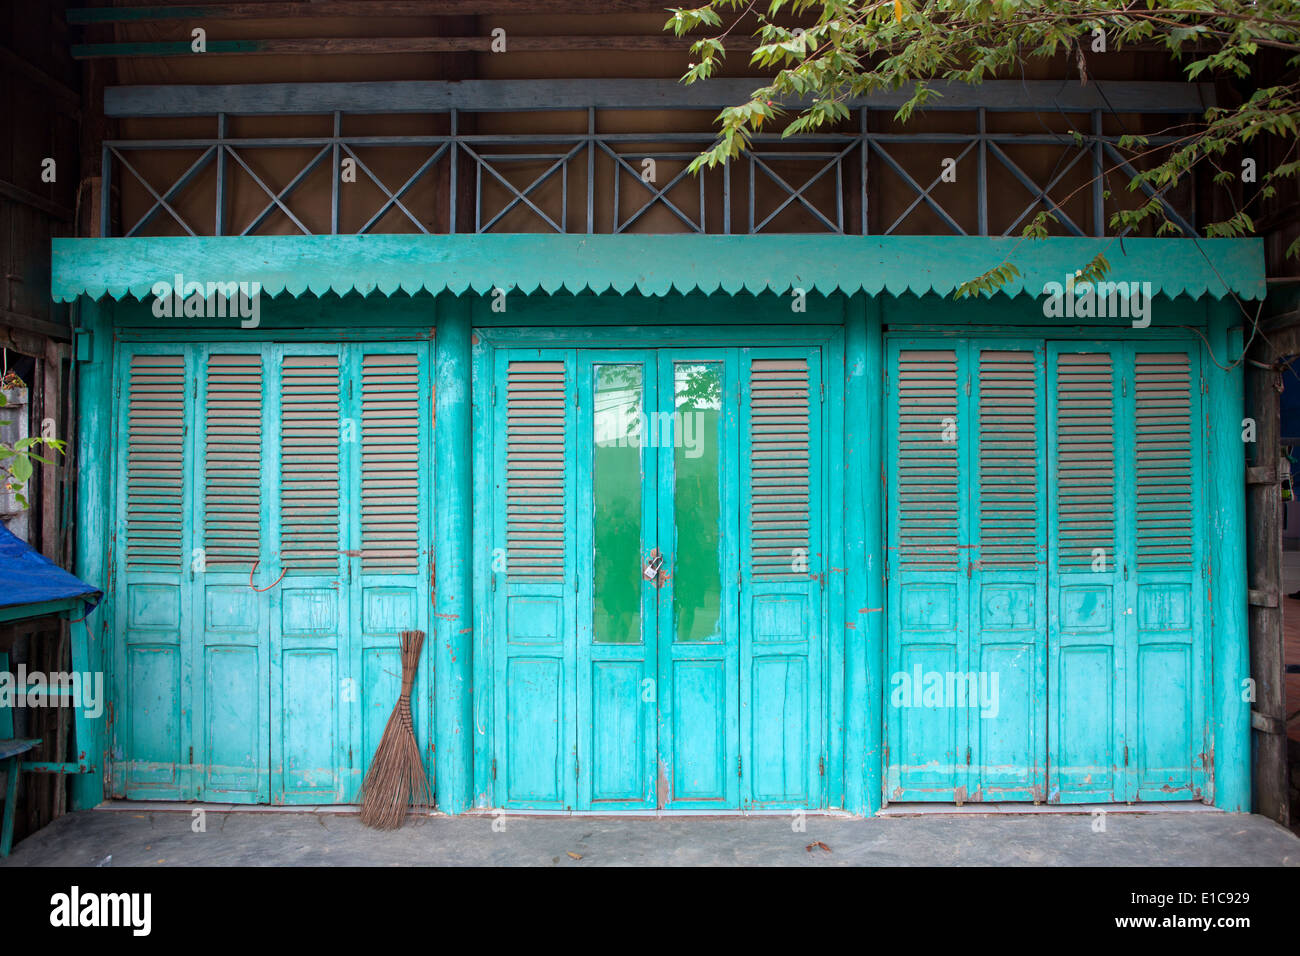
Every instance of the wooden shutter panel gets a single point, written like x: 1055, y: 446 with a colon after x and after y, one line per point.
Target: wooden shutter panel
x: 309, y: 469
x: 155, y: 462
x: 232, y: 461
x: 1162, y: 396
x: 779, y: 484
x: 1008, y: 460
x: 928, y: 467
x: 1085, y: 459
x: 535, y: 470
x: 390, y: 461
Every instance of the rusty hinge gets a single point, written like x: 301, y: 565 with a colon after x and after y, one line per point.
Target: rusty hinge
x: 740, y: 766
x: 822, y: 387
x: 494, y: 768
x: 1126, y: 755
x: 821, y: 766
x: 349, y: 756
x: 577, y: 768
x: 494, y: 394
x: 968, y: 756
x: 191, y: 755
x: 494, y: 581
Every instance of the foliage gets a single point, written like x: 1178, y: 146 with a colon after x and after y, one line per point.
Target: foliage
x: 853, y: 48
x: 16, y: 460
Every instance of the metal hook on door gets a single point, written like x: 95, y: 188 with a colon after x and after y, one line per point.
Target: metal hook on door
x: 253, y: 570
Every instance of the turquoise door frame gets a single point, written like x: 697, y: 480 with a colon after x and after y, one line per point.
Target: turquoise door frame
x: 772, y: 642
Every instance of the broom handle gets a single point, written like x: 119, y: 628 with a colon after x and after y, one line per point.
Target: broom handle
x: 411, y: 642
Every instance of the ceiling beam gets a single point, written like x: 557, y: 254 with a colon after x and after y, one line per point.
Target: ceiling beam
x: 649, y: 43
x: 293, y: 9
x: 436, y: 96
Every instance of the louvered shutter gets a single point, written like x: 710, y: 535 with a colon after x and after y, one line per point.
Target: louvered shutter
x: 155, y: 465
x: 1008, y: 466
x: 1007, y: 603
x: 1085, y: 460
x: 928, y: 463
x: 536, y: 409
x: 309, y: 464
x: 390, y: 461
x: 232, y: 461
x: 1087, y: 643
x: 1162, y: 407
x: 930, y: 487
x: 1167, y: 734
x: 779, y: 462
x: 534, y: 611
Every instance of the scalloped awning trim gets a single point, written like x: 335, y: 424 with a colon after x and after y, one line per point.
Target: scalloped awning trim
x: 649, y: 265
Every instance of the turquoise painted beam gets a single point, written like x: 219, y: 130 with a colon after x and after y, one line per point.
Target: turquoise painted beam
x: 652, y: 265
x: 873, y: 615
x: 858, y: 439
x: 22, y: 612
x: 453, y: 556
x: 1230, y: 647
x: 94, y: 496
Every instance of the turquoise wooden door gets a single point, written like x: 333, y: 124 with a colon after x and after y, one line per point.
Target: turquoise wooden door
x: 965, y: 693
x: 1128, y: 641
x: 783, y: 488
x: 273, y: 503
x: 657, y: 578
x: 1046, y: 637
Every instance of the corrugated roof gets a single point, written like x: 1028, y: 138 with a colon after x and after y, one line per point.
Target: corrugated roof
x: 650, y: 265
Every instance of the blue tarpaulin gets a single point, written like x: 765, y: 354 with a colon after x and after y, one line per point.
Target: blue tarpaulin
x: 27, y: 577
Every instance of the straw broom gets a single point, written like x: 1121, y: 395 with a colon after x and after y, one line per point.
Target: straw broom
x: 396, y: 777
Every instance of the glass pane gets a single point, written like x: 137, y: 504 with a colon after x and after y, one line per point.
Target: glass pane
x: 697, y: 500
x: 616, y: 494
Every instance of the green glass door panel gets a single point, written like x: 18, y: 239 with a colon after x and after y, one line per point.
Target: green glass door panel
x: 699, y: 660
x: 696, y: 427
x: 618, y: 426
x: 616, y: 687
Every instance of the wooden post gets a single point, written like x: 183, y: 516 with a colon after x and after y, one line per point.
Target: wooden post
x: 94, y: 456
x: 453, y: 555
x: 1264, y: 562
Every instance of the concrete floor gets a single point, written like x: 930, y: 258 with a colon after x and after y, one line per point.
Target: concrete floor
x: 165, y: 838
